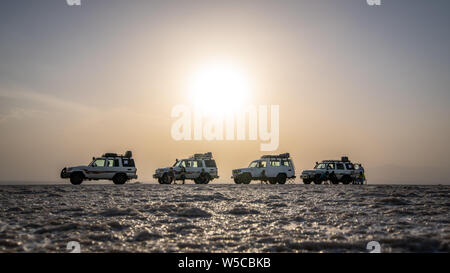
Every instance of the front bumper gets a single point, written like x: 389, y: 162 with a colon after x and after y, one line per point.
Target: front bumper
x: 64, y: 173
x: 305, y: 176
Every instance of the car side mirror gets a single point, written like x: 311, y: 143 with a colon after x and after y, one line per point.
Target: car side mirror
x: 93, y: 158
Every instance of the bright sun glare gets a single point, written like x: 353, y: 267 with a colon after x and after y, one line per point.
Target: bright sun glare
x: 219, y: 89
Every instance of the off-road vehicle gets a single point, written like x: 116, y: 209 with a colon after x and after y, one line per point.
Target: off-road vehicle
x: 110, y: 166
x: 201, y: 168
x: 271, y: 168
x: 335, y: 171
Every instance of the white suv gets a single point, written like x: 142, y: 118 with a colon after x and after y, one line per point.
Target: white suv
x: 201, y: 168
x: 110, y: 166
x: 334, y: 171
x: 272, y: 168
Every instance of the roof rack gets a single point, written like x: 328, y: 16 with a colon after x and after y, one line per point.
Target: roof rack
x: 128, y: 154
x: 343, y: 159
x: 285, y: 155
x: 207, y: 155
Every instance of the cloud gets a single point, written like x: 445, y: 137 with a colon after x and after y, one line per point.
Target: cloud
x: 19, y: 114
x: 46, y: 100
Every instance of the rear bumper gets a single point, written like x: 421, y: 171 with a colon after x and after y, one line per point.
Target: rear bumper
x: 132, y: 176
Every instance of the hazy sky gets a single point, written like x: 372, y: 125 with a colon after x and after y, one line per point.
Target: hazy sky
x: 368, y: 82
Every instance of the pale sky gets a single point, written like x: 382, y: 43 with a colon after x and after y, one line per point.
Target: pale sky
x: 350, y: 79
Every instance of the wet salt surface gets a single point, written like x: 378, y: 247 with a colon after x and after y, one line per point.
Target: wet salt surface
x: 224, y: 218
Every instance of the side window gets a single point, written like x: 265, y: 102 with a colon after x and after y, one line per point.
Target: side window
x: 128, y: 162
x: 210, y: 163
x: 194, y: 163
x: 350, y: 166
x: 340, y: 166
x: 262, y: 164
x: 331, y: 166
x: 275, y: 163
x: 254, y: 164
x: 286, y: 163
x: 110, y: 162
x: 99, y: 163
x: 199, y: 163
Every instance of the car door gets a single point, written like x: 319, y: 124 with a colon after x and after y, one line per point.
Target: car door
x: 113, y: 166
x: 192, y: 170
x: 287, y: 167
x: 210, y: 167
x: 331, y: 168
x: 340, y: 170
x: 97, y: 168
x: 273, y: 167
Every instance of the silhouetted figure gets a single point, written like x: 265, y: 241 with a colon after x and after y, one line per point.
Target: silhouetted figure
x: 183, y: 174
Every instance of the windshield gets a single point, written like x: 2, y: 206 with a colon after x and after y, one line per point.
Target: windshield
x: 254, y: 164
x: 320, y: 166
x: 98, y: 162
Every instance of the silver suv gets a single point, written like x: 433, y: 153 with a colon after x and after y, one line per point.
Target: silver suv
x: 272, y: 168
x: 201, y: 168
x: 335, y: 171
x: 110, y: 166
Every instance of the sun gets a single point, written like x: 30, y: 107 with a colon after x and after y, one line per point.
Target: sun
x: 219, y: 88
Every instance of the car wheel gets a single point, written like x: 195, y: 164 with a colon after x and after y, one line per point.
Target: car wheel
x: 346, y: 180
x: 317, y: 179
x: 307, y: 181
x: 246, y: 178
x: 333, y: 179
x: 76, y: 178
x: 165, y: 179
x: 273, y: 181
x: 237, y: 180
x: 199, y: 180
x: 207, y: 179
x: 281, y: 178
x: 120, y: 179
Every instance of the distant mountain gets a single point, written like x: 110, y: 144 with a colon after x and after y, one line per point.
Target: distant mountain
x: 396, y: 174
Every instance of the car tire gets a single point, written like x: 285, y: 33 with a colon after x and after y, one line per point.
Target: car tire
x: 307, y: 181
x: 246, y: 178
x: 317, y: 179
x: 207, y: 179
x: 199, y: 180
x: 333, y: 179
x: 76, y: 178
x: 237, y: 180
x: 346, y: 180
x: 281, y: 178
x: 165, y: 179
x: 120, y: 179
x: 273, y: 181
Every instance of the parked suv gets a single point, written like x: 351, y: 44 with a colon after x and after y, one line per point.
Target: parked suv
x: 201, y: 168
x: 271, y: 168
x: 110, y: 166
x: 335, y: 171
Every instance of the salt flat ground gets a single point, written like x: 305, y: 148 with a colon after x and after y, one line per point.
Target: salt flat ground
x: 224, y: 218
